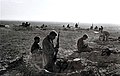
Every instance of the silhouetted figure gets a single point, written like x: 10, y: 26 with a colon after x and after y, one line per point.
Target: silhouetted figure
x: 42, y: 26
x: 76, y: 25
x: 27, y: 24
x: 23, y: 24
x: 96, y: 28
x: 101, y: 28
x: 45, y: 25
x: 91, y: 28
x: 63, y: 26
x: 119, y: 38
x: 68, y: 26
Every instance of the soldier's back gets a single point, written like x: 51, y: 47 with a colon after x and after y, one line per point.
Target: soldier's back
x: 106, y: 33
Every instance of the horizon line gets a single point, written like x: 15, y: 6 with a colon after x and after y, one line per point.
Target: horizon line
x: 62, y: 22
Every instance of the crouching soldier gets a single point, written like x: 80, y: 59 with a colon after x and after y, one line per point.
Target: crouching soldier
x: 81, y: 46
x: 104, y: 36
x: 36, y: 51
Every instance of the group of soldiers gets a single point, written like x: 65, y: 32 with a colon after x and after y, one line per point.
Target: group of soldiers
x: 49, y: 51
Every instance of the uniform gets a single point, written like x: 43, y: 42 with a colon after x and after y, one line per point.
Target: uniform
x: 81, y: 46
x: 36, y: 54
x: 104, y: 35
x: 48, y: 53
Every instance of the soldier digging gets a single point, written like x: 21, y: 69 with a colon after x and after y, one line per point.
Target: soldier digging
x: 49, y: 51
x: 81, y: 46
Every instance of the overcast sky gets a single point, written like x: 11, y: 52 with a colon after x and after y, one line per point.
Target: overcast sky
x: 84, y: 11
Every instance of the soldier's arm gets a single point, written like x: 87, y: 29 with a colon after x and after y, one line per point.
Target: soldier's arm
x: 40, y: 48
x: 32, y: 48
x: 79, y: 47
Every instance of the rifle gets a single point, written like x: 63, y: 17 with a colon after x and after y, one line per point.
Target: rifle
x: 56, y: 48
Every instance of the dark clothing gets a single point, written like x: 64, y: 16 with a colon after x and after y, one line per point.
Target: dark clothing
x: 35, y: 47
x: 81, y: 46
x: 36, y: 54
x: 48, y: 53
x: 48, y: 46
x: 105, y: 35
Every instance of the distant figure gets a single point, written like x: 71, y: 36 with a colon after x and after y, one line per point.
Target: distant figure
x: 49, y: 51
x: 91, y: 28
x: 46, y: 26
x: 68, y: 26
x: 63, y: 26
x: 104, y: 36
x: 27, y: 24
x: 101, y: 28
x: 96, y: 28
x: 119, y: 38
x: 23, y: 24
x: 76, y: 25
x: 81, y: 46
x: 43, y: 26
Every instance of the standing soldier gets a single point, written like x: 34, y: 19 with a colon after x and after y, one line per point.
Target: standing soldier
x: 91, y: 27
x: 101, y: 28
x: 48, y: 51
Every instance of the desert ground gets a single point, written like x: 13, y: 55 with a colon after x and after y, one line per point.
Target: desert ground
x: 16, y: 41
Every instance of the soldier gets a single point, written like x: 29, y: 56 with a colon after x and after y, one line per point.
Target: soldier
x: 49, y: 51
x: 96, y: 28
x: 81, y: 46
x: 36, y: 51
x: 35, y: 47
x: 119, y: 38
x: 91, y: 27
x: 104, y: 35
x: 101, y: 28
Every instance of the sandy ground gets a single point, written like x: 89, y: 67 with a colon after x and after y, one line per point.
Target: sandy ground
x: 15, y: 42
